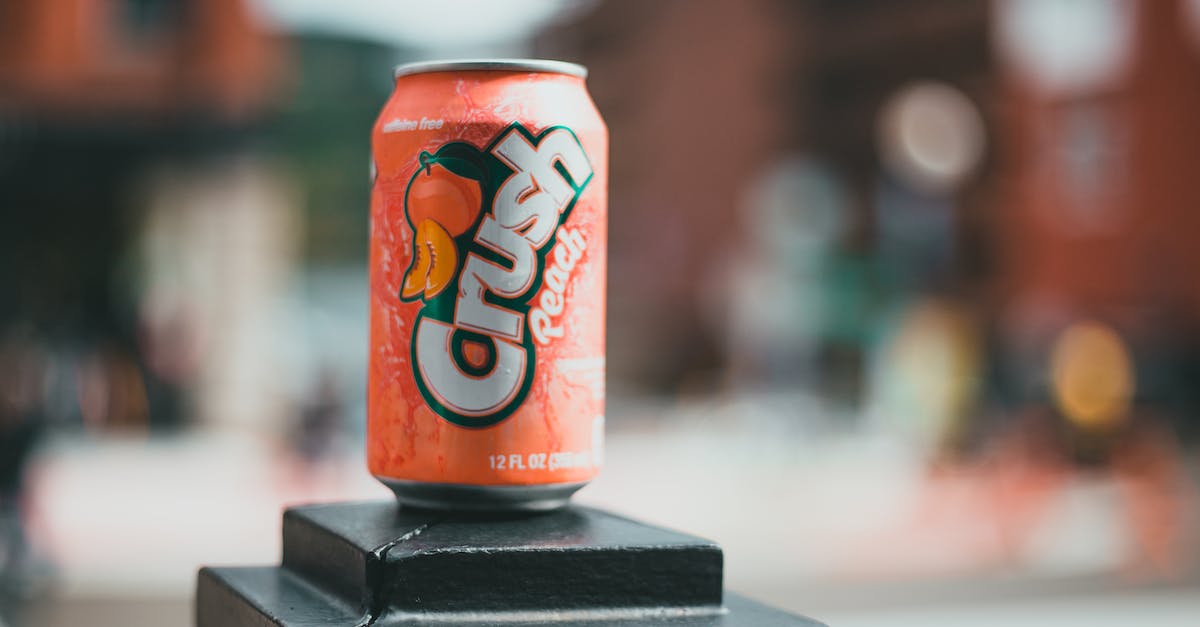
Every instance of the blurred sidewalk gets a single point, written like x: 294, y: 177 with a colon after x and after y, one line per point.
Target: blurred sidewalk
x: 833, y: 523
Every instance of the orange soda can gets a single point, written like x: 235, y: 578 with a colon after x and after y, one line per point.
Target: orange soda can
x: 487, y: 277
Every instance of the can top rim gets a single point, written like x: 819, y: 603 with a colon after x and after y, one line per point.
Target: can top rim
x: 495, y: 65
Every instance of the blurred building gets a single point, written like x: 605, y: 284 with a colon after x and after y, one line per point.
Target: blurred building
x: 699, y: 128
x: 690, y: 125
x: 88, y: 60
x: 823, y: 186
x: 98, y: 97
x: 1098, y: 211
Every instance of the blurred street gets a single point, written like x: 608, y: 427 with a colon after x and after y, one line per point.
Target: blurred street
x: 822, y: 529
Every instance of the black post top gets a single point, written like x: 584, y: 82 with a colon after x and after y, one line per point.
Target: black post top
x: 375, y: 563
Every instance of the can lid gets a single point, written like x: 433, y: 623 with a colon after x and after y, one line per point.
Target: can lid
x: 497, y: 65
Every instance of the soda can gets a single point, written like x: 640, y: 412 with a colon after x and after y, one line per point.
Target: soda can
x: 487, y: 285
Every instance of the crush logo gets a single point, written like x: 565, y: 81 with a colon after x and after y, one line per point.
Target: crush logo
x: 476, y: 271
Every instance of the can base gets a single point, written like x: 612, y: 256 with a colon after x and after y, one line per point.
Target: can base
x: 482, y: 498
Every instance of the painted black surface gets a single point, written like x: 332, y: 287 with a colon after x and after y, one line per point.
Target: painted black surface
x: 268, y: 595
x: 271, y: 596
x: 375, y: 563
x: 340, y: 546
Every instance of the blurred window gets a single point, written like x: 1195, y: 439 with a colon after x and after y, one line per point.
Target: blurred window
x: 145, y: 20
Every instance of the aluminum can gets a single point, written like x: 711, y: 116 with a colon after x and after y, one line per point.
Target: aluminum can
x: 487, y: 285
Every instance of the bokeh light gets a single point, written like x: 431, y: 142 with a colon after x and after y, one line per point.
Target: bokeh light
x: 931, y: 135
x: 1093, y: 375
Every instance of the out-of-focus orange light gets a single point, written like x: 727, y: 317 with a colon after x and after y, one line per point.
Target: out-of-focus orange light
x: 1092, y: 375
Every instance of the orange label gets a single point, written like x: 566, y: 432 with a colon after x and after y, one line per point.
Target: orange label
x: 488, y: 242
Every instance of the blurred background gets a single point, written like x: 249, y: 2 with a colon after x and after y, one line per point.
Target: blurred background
x: 904, y: 298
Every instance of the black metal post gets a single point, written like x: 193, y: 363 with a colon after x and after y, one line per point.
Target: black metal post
x: 375, y: 563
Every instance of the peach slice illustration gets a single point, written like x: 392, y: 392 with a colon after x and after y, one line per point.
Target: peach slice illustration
x: 442, y: 204
x: 435, y: 260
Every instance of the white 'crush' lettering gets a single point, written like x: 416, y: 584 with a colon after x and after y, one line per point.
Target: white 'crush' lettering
x: 526, y: 212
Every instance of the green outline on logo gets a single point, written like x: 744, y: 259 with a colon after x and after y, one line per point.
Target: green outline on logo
x: 441, y: 307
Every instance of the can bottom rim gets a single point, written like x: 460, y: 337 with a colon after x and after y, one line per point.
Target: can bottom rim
x: 482, y: 498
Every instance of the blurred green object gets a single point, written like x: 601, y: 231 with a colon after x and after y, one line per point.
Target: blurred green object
x: 323, y: 135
